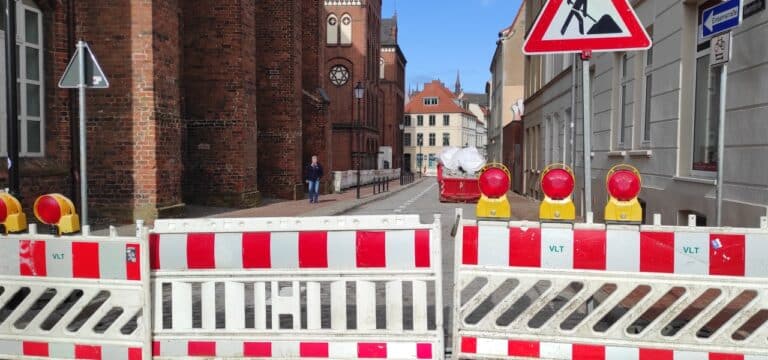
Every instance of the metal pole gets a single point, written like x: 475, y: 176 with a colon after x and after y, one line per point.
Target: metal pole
x: 357, y: 136
x: 83, y: 157
x: 721, y: 143
x: 574, y: 80
x: 12, y: 112
x: 587, y: 135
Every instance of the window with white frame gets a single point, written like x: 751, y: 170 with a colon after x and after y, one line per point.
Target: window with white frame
x: 29, y: 84
x: 407, y: 121
x: 647, y: 93
x: 432, y: 120
x: 705, y: 115
x: 430, y: 101
x: 446, y: 139
x: 432, y: 139
x: 406, y: 139
x: 446, y: 120
x: 419, y: 120
x: 625, y: 102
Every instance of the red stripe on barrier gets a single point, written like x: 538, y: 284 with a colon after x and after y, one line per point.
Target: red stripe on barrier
x: 132, y: 262
x: 469, y: 345
x: 423, y: 351
x: 257, y: 349
x: 589, y: 249
x: 313, y: 249
x: 32, y: 258
x: 85, y: 260
x: 524, y: 247
x: 313, y: 350
x: 371, y: 249
x: 134, y: 354
x: 155, y: 348
x: 154, y: 251
x: 469, y: 245
x: 88, y: 352
x: 588, y: 352
x: 721, y: 356
x: 657, y: 252
x: 201, y: 348
x: 200, y: 251
x: 656, y: 354
x: 372, y: 350
x: 523, y: 348
x: 726, y: 254
x: 256, y: 250
x: 32, y: 348
x: 422, y: 248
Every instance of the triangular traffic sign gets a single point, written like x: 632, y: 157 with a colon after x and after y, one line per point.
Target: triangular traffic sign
x: 584, y: 26
x: 94, y: 76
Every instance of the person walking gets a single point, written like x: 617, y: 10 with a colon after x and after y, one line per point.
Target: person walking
x: 314, y: 173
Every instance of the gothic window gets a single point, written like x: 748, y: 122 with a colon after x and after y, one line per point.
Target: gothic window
x: 333, y: 30
x: 339, y: 75
x: 346, y: 30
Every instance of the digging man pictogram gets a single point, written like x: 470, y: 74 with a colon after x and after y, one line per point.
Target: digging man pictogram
x: 606, y: 25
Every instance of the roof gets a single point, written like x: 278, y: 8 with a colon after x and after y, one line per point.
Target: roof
x: 444, y: 105
x: 476, y: 98
x: 389, y: 31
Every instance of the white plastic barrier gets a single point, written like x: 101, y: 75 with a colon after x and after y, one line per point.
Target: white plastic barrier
x: 289, y: 288
x: 348, y: 179
x: 74, y: 297
x: 587, y: 291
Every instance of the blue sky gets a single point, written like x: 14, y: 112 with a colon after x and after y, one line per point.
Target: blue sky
x: 439, y: 37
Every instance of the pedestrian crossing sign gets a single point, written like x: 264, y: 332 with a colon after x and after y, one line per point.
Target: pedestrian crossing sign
x: 584, y: 26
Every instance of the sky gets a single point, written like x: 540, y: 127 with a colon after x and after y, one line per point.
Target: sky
x: 439, y: 37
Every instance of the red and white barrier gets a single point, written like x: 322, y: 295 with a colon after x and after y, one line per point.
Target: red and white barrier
x: 619, y: 289
x: 74, y: 297
x: 365, y: 287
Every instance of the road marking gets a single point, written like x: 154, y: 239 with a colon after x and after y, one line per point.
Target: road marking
x: 414, y: 199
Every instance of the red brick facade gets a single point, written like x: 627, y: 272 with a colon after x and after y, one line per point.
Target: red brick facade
x: 393, y: 86
x: 211, y: 102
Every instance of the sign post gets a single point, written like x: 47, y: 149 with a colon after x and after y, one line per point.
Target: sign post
x: 720, y: 55
x: 584, y: 26
x: 83, y: 72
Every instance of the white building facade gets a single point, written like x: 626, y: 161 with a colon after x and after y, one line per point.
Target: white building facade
x: 658, y: 111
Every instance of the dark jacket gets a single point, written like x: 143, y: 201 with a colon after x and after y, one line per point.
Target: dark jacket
x: 314, y: 173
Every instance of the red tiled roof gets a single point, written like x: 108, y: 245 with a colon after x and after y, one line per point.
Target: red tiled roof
x: 444, y: 105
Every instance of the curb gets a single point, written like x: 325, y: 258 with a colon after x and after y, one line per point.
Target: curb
x: 358, y: 203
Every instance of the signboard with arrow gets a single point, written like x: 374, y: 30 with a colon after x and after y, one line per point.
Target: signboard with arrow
x: 720, y: 18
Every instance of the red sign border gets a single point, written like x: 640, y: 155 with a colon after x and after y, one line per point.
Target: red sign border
x: 637, y: 40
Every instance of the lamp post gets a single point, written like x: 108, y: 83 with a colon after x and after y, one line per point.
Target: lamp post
x: 359, y: 92
x: 402, y: 152
x: 421, y: 157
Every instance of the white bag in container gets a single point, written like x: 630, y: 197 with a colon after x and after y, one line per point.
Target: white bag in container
x: 470, y: 160
x: 448, y: 157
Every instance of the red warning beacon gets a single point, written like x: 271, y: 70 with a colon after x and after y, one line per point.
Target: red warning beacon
x: 12, y: 217
x: 623, y: 183
x: 57, y: 210
x: 494, y: 183
x: 557, y: 183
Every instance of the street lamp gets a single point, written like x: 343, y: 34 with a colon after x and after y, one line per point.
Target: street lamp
x: 359, y: 92
x: 421, y: 156
x: 402, y: 152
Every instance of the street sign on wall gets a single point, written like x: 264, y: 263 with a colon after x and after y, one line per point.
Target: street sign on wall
x: 720, y: 18
x: 580, y: 26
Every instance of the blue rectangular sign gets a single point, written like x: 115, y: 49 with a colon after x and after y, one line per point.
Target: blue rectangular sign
x: 721, y: 18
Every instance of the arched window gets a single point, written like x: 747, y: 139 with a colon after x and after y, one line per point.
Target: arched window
x: 333, y: 30
x: 346, y: 30
x: 31, y: 99
x: 381, y: 68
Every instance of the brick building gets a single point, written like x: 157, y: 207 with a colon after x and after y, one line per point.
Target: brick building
x: 355, y: 52
x: 211, y: 101
x: 392, y: 78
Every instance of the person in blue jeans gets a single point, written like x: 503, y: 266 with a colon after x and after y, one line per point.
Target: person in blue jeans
x: 314, y: 173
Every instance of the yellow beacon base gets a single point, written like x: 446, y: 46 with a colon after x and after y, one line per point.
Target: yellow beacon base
x: 15, y: 223
x: 623, y: 211
x: 557, y: 209
x: 493, y: 208
x: 69, y: 224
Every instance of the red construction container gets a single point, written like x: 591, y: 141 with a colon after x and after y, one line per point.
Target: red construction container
x: 457, y: 189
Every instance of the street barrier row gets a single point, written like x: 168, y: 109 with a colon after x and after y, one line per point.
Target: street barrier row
x: 369, y: 287
x: 590, y: 291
